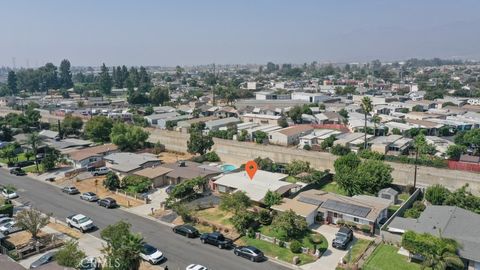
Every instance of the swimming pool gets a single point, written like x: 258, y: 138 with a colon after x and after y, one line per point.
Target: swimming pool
x: 227, y: 167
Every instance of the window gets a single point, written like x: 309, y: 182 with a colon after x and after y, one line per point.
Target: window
x: 355, y: 219
x: 335, y: 215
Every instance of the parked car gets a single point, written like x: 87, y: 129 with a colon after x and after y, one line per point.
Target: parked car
x: 50, y: 179
x: 70, y: 190
x: 151, y: 254
x: 107, y: 202
x: 196, y: 267
x: 9, y: 227
x: 216, y: 239
x: 89, y: 263
x: 169, y: 189
x: 249, y: 252
x: 186, y: 230
x: 81, y: 222
x: 100, y: 171
x: 89, y: 196
x: 46, y: 258
x: 342, y: 238
x: 17, y: 171
x: 4, y: 220
x: 9, y: 193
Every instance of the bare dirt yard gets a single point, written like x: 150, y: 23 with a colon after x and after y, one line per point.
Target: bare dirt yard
x: 172, y: 157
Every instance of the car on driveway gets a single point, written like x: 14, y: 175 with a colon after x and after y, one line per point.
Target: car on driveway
x: 107, y: 202
x: 46, y: 258
x: 196, y: 267
x: 342, y: 238
x: 79, y: 221
x: 151, y: 254
x: 249, y: 252
x: 5, y: 220
x: 169, y: 189
x: 216, y: 239
x: 9, y: 193
x: 17, y: 171
x: 100, y: 171
x: 70, y: 190
x: 186, y: 230
x: 9, y: 227
x: 89, y: 197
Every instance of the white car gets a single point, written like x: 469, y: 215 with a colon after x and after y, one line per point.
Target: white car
x: 196, y: 267
x: 81, y: 222
x: 100, y: 171
x: 89, y: 196
x: 9, y: 227
x: 9, y: 194
x: 151, y: 254
x: 5, y: 220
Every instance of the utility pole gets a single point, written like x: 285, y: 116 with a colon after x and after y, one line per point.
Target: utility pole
x: 213, y: 86
x: 415, y: 172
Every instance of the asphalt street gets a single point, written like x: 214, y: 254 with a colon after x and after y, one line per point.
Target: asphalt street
x: 178, y: 250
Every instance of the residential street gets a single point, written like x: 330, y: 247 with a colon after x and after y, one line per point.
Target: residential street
x: 178, y: 250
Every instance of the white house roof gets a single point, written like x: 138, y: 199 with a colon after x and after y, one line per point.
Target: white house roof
x: 255, y: 188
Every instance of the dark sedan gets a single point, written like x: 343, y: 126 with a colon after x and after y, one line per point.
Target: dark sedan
x: 47, y: 258
x: 186, y: 230
x: 249, y: 252
x: 17, y: 171
x: 107, y: 202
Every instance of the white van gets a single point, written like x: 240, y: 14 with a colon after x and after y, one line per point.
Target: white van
x: 100, y: 171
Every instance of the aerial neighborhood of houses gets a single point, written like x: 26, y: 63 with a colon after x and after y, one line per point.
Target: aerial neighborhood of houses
x: 359, y: 166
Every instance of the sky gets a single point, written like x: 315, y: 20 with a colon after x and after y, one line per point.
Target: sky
x: 194, y: 32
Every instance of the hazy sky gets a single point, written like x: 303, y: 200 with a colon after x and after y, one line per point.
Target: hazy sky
x: 141, y: 32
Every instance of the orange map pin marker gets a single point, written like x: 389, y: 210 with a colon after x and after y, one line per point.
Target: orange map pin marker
x: 251, y: 168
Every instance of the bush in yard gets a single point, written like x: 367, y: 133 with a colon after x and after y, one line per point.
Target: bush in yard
x: 437, y: 194
x: 297, y: 166
x: 289, y: 225
x: 187, y: 187
x: 295, y: 246
x: 420, y: 206
x: 264, y: 217
x: 236, y: 202
x: 111, y: 182
x: 412, y: 213
x: 69, y: 255
x: 6, y: 209
x: 183, y: 211
x: 365, y: 228
x: 212, y: 157
x: 272, y: 198
x: 135, y: 183
x: 340, y: 150
x: 307, y: 147
x: 251, y: 233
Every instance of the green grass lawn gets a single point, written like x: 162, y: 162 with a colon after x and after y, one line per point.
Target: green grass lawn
x: 403, y: 196
x: 275, y: 251
x: 333, y: 188
x: 385, y: 257
x: 20, y: 157
x: 291, y: 179
x: 358, y: 249
x: 266, y: 230
x: 33, y: 168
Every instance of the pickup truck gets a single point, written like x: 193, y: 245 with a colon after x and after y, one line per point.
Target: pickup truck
x: 81, y: 222
x: 216, y: 239
x: 342, y: 238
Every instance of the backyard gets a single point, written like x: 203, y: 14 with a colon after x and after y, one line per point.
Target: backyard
x: 385, y: 257
x: 333, y: 187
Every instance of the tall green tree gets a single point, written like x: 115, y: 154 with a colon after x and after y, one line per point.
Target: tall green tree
x: 289, y: 225
x: 367, y: 107
x: 12, y: 82
x: 65, y: 76
x: 34, y: 141
x: 98, y: 129
x: 144, y: 80
x: 199, y: 143
x: 235, y: 202
x: 123, y: 247
x: 71, y: 124
x: 70, y: 255
x: 128, y: 137
x: 272, y: 198
x: 104, y: 80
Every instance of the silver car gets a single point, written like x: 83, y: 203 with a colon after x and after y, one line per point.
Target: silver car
x: 89, y: 197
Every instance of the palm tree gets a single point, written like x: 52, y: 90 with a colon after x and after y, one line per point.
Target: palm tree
x: 367, y: 107
x: 376, y: 120
x: 442, y: 259
x: 34, y: 141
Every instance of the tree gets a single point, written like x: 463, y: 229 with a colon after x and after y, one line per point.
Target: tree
x: 111, y: 182
x: 472, y: 137
x: 32, y: 221
x: 367, y: 107
x: 65, y: 76
x: 123, y: 247
x: 8, y: 152
x: 296, y: 114
x: 70, y: 255
x: 376, y: 120
x: 235, y: 202
x: 187, y: 188
x: 340, y: 150
x: 437, y: 194
x: 266, y: 164
x: 289, y: 225
x: 71, y: 124
x: 282, y: 122
x: 345, y: 173
x: 199, y: 143
x: 454, y: 151
x: 260, y: 136
x: 12, y: 82
x: 104, y: 80
x: 128, y: 137
x: 144, y: 80
x: 396, y: 131
x: 98, y: 129
x: 373, y: 175
x: 50, y: 160
x: 422, y: 146
x: 34, y: 141
x: 298, y: 166
x: 272, y: 198
x: 417, y: 108
x: 242, y: 221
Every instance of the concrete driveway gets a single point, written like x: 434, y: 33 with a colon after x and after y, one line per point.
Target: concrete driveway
x: 332, y: 256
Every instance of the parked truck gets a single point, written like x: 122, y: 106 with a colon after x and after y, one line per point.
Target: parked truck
x: 216, y: 239
x: 81, y: 222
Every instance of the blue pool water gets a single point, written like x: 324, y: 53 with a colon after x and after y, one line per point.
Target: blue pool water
x: 227, y: 167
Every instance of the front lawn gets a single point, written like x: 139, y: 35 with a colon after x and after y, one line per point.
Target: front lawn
x: 333, y: 187
x: 275, y: 251
x: 357, y: 250
x: 20, y: 157
x: 33, y: 168
x: 385, y: 257
x: 267, y: 230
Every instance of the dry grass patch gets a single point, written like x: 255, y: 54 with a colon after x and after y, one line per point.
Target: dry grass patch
x: 22, y: 238
x: 172, y: 157
x: 65, y: 230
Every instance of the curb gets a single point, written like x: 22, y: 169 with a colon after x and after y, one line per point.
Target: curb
x: 282, y: 263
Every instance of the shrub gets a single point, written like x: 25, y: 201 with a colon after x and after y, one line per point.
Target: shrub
x: 365, y: 228
x: 183, y: 211
x: 307, y: 147
x: 295, y: 246
x: 212, y: 157
x: 135, y: 183
x: 412, y: 213
x: 436, y: 194
x: 340, y: 222
x: 111, y: 182
x: 264, y: 217
x: 281, y: 244
x: 250, y: 233
x: 420, y: 206
x: 6, y: 209
x: 340, y: 150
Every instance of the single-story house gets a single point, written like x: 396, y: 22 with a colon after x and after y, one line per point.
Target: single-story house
x: 289, y: 135
x: 394, y: 143
x: 48, y: 134
x: 255, y: 188
x: 318, y: 206
x: 329, y: 118
x: 186, y: 124
x: 68, y: 144
x: 352, y: 139
x: 263, y: 119
x: 175, y: 173
x: 162, y: 123
x: 219, y: 123
x: 449, y: 222
x: 85, y: 157
x: 125, y: 164
x: 153, y: 119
